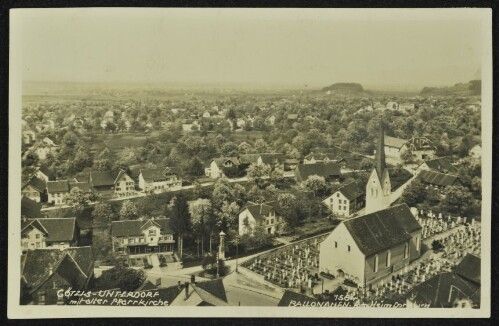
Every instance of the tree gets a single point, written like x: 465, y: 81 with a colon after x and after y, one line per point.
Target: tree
x: 458, y: 200
x: 437, y: 245
x: 102, y: 215
x: 180, y: 220
x: 78, y: 199
x: 103, y: 165
x: 200, y: 211
x: 102, y: 246
x: 120, y: 277
x: 257, y: 173
x: 128, y: 211
x: 195, y: 167
x: 366, y: 164
x: 209, y: 264
x: 227, y: 216
x: 261, y: 146
x: 414, y: 194
x: 222, y: 192
x: 315, y: 183
x: 407, y: 156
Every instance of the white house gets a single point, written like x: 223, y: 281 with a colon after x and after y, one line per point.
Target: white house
x: 56, y: 233
x: 142, y: 237
x: 265, y: 215
x: 370, y: 248
x: 57, y: 191
x: 159, y: 180
x: 346, y: 200
x: 217, y: 165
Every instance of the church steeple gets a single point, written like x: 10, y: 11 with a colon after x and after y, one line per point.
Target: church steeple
x: 380, y: 151
x: 378, y: 188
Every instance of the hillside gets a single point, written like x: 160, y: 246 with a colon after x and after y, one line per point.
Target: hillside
x: 351, y: 88
x: 473, y: 87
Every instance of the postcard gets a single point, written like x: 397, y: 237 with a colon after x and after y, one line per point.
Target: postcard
x: 250, y: 162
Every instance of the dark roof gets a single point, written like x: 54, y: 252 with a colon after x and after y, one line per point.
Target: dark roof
x: 30, y: 208
x: 74, y: 265
x: 352, y: 191
x: 58, y: 186
x: 47, y: 171
x: 58, y: 229
x: 134, y: 227
x: 158, y: 173
x: 37, y: 183
x: 258, y: 211
x: 383, y: 229
x: 117, y: 143
x: 249, y: 158
x: 290, y: 296
x: 321, y: 169
x: 220, y: 161
x: 436, y: 290
x: 215, y: 288
x: 102, y: 178
x: 441, y: 164
x: 469, y: 268
x: 437, y: 178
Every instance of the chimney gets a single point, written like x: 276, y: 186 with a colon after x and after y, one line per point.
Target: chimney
x: 193, y: 279
x: 179, y: 285
x: 186, y: 284
x: 158, y: 281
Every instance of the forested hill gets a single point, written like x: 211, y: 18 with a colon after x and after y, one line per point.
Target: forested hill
x: 350, y: 88
x: 473, y: 87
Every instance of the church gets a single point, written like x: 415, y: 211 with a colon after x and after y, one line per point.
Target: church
x: 370, y: 248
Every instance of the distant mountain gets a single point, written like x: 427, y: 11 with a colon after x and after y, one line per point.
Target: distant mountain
x: 473, y: 87
x: 351, y: 88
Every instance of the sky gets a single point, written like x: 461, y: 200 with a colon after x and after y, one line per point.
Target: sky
x: 315, y: 48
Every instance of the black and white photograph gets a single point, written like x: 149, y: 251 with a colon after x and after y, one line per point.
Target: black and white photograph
x: 273, y: 162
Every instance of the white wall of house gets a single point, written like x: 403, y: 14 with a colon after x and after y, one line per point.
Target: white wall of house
x: 33, y: 239
x: 251, y: 220
x: 31, y: 193
x: 338, y: 204
x: 393, y: 151
x: 340, y: 252
x: 215, y: 171
x: 124, y: 187
x: 57, y: 198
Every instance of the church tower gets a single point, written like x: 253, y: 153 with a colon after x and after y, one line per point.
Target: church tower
x: 378, y: 188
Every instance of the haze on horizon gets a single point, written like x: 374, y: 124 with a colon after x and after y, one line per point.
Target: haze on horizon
x: 257, y: 47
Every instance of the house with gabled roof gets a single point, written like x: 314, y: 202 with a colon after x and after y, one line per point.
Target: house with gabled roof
x: 57, y: 191
x: 106, y: 183
x: 440, y: 164
x: 457, y: 289
x: 421, y: 147
x: 207, y: 293
x: 438, y: 180
x: 35, y: 189
x: 45, y: 173
x: 142, y: 237
x: 370, y: 248
x: 346, y: 200
x: 329, y: 171
x: 159, y: 180
x: 267, y: 215
x: 53, y: 233
x: 218, y: 166
x: 46, y: 271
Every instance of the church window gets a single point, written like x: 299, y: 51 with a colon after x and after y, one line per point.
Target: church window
x: 336, y: 244
x: 406, y: 250
x: 417, y: 243
x: 348, y: 248
x: 388, y: 258
x: 376, y: 263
